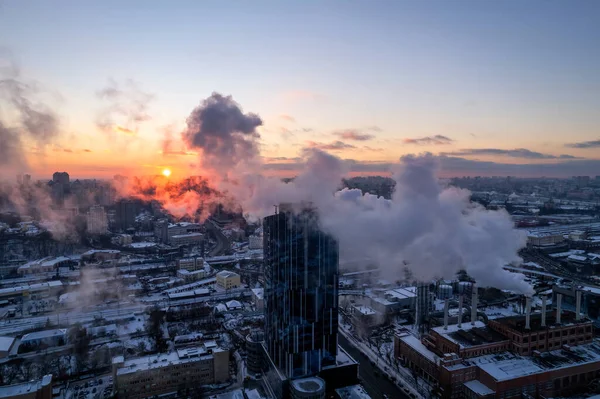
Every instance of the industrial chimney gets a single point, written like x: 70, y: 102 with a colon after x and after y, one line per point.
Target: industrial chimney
x: 558, y: 307
x: 446, y: 307
x: 474, y: 305
x: 578, y: 305
x: 460, y: 310
x: 527, y: 313
x: 544, y: 310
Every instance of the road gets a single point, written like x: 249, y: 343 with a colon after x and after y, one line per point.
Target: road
x: 223, y: 244
x: 376, y: 386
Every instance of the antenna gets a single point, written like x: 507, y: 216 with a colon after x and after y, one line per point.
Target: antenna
x: 276, y: 209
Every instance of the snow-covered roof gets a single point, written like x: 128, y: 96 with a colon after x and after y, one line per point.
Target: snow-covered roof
x: 418, y: 346
x: 352, y: 392
x: 6, y: 343
x: 187, y: 355
x: 61, y: 332
x: 233, y: 304
x: 365, y: 310
x: 259, y: 292
x: 478, y: 388
x: 226, y: 274
x: 577, y: 258
x: 143, y: 244
x: 25, y: 388
x: 308, y: 385
x: 189, y: 235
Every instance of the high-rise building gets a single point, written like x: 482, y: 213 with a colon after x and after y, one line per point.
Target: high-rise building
x: 126, y: 212
x: 61, y: 177
x: 300, y: 298
x: 97, y: 222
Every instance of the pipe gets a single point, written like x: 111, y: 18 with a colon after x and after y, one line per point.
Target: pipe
x: 460, y: 310
x: 543, y: 310
x: 578, y: 306
x: 558, y: 307
x: 446, y: 307
x: 527, y: 313
x: 474, y: 305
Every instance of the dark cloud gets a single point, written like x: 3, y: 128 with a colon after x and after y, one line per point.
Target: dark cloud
x: 514, y: 153
x: 438, y: 139
x: 223, y: 132
x: 127, y: 107
x: 357, y: 134
x: 585, y: 144
x: 333, y: 146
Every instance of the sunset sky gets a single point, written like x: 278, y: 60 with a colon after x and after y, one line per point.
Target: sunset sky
x: 495, y: 87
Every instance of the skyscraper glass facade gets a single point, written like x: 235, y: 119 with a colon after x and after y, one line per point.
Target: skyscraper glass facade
x: 301, y: 298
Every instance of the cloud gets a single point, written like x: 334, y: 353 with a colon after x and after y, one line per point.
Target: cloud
x: 514, y: 153
x: 86, y: 150
x: 355, y: 134
x: 438, y: 139
x: 287, y: 117
x: 584, y: 144
x: 333, y: 146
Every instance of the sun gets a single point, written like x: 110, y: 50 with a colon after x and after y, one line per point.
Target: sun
x: 166, y: 172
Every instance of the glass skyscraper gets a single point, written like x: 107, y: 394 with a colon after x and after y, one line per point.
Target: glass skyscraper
x: 301, y: 298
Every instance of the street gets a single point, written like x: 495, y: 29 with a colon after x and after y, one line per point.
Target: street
x: 376, y: 386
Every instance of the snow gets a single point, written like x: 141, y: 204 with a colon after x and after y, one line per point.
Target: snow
x: 6, y: 343
x: 258, y: 292
x: 478, y: 388
x: 308, y: 385
x: 577, y: 258
x: 365, y: 310
x: 143, y: 244
x: 416, y: 344
x: 352, y: 392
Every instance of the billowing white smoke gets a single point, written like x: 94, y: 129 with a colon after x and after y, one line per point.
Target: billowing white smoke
x: 435, y: 231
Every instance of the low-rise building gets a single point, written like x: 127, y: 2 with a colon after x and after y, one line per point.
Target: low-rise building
x: 191, y: 276
x: 258, y: 299
x: 38, y: 389
x: 6, y: 344
x: 227, y: 279
x: 180, y: 371
x: 186, y: 239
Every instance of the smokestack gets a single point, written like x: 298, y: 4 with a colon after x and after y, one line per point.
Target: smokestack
x: 578, y: 305
x: 474, y: 305
x: 446, y: 306
x: 558, y: 307
x: 460, y: 308
x: 527, y: 313
x: 544, y: 310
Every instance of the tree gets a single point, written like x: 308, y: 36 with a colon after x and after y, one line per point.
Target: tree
x: 80, y: 340
x: 154, y: 329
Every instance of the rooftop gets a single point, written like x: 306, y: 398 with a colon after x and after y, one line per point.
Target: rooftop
x: 186, y: 355
x: 6, y: 343
x: 310, y: 384
x: 259, y: 292
x: 9, y: 391
x: 189, y: 235
x: 226, y: 274
x: 61, y: 332
x: 518, y: 322
x: 507, y: 365
x: 479, y: 388
x: 472, y: 336
x: 352, y: 392
x: 418, y: 346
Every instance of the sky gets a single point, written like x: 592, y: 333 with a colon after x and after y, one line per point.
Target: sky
x: 494, y: 88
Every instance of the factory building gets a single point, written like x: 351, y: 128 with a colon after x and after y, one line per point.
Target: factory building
x: 544, y: 354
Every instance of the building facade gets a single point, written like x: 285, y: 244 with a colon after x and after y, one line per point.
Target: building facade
x: 97, y: 222
x: 300, y: 298
x: 228, y: 280
x: 183, y: 370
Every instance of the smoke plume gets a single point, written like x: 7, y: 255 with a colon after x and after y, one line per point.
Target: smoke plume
x: 225, y: 135
x: 33, y: 120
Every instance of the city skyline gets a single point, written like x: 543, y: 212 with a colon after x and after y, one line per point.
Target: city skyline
x: 493, y: 89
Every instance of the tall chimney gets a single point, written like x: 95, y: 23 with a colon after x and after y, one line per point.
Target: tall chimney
x: 558, y: 307
x: 544, y: 310
x: 527, y: 313
x: 446, y: 307
x: 578, y: 305
x: 460, y: 309
x: 474, y: 305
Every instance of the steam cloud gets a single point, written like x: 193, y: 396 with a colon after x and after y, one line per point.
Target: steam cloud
x: 435, y: 231
x: 225, y: 135
x: 34, y: 120
x: 127, y: 109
